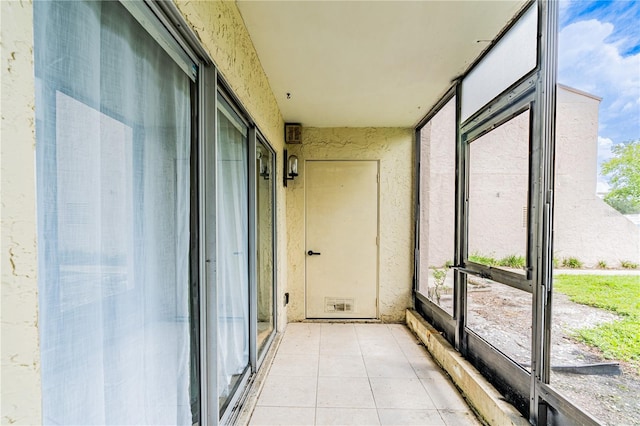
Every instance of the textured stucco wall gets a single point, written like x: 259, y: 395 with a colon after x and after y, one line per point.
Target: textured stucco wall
x: 223, y: 34
x: 19, y: 301
x: 393, y: 148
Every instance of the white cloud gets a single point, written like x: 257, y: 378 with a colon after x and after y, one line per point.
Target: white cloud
x: 589, y: 61
x: 604, y: 154
x: 604, y: 148
x: 602, y: 187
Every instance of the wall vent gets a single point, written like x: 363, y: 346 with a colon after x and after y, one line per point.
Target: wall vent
x: 337, y: 305
x: 293, y: 133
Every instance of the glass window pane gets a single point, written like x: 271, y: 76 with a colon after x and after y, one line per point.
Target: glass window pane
x: 498, y: 195
x: 437, y: 206
x: 596, y: 284
x: 265, y: 167
x: 113, y: 219
x: 501, y: 315
x: 512, y: 58
x: 233, y: 252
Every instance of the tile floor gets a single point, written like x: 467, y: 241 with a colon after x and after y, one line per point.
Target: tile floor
x: 356, y: 374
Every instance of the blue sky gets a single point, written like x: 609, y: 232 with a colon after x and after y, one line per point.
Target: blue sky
x: 599, y: 53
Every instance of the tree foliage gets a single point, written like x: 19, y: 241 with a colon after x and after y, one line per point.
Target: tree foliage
x: 623, y: 171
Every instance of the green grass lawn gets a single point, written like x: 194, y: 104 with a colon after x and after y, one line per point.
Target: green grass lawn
x: 617, y: 293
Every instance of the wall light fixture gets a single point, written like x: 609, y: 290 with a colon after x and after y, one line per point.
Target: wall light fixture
x: 290, y: 167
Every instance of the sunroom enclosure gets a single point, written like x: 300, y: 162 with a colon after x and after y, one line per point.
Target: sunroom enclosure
x: 165, y: 256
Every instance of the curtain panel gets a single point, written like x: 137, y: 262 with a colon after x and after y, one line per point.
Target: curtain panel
x: 113, y: 151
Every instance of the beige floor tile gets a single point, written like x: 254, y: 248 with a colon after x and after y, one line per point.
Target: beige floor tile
x: 425, y: 367
x: 342, y: 366
x: 349, y: 392
x: 397, y: 367
x: 295, y: 365
x: 271, y: 416
x: 340, y: 373
x: 381, y: 348
x: 444, y: 394
x: 459, y: 418
x: 373, y: 331
x: 402, y: 333
x: 410, y: 417
x: 347, y: 416
x: 337, y: 329
x: 339, y: 346
x: 400, y: 393
x: 281, y: 391
x: 303, y: 328
x: 299, y: 345
x: 413, y: 349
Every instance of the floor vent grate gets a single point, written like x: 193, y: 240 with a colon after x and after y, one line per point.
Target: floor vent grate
x: 334, y: 305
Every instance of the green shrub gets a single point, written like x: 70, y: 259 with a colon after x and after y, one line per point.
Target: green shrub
x: 513, y: 261
x: 602, y: 264
x: 439, y: 277
x: 556, y: 262
x: 626, y: 264
x: 483, y: 260
x: 571, y: 262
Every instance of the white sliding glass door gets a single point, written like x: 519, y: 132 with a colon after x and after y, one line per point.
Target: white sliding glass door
x: 113, y: 116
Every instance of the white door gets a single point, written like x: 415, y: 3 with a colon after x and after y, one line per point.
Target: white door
x: 341, y: 239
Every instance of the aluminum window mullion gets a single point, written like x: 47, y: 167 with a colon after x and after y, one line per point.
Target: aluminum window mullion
x: 513, y: 95
x: 544, y: 130
x: 253, y: 253
x: 561, y: 404
x: 498, y: 115
x: 151, y: 22
x: 208, y: 246
x: 501, y: 276
x: 460, y: 231
x: 169, y: 15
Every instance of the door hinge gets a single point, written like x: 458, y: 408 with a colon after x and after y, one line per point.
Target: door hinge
x: 378, y: 178
x: 377, y: 240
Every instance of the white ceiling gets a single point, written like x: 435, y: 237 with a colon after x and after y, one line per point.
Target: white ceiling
x: 368, y: 63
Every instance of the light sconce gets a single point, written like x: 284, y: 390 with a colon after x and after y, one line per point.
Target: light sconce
x: 290, y: 167
x: 264, y: 172
x: 264, y: 168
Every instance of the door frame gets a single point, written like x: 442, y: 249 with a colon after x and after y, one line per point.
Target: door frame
x: 329, y: 160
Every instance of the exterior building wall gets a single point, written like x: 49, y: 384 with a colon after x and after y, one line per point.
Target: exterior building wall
x: 585, y: 227
x: 393, y: 148
x: 437, y: 189
x: 222, y: 32
x: 19, y: 292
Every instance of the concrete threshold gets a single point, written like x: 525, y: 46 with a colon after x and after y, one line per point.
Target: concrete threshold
x: 478, y: 392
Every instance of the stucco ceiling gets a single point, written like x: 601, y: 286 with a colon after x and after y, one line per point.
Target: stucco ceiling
x: 368, y: 63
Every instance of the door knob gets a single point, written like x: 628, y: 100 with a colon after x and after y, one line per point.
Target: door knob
x: 311, y: 253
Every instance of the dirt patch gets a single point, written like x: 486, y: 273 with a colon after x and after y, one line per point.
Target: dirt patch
x: 502, y: 316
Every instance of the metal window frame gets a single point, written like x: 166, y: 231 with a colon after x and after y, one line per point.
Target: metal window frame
x: 154, y: 21
x: 256, y: 357
x: 166, y: 24
x: 530, y: 392
x: 444, y: 101
x: 262, y: 352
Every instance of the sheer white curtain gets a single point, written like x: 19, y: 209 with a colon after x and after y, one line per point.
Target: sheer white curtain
x: 233, y: 251
x: 113, y: 140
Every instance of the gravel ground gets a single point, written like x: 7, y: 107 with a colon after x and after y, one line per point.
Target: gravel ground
x: 502, y: 316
